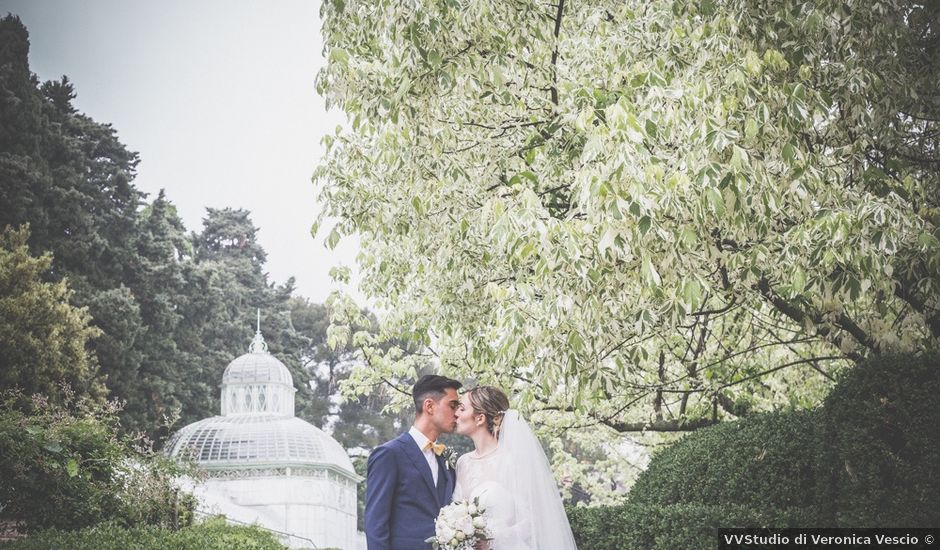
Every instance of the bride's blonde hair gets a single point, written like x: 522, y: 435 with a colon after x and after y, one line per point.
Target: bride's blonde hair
x: 490, y: 402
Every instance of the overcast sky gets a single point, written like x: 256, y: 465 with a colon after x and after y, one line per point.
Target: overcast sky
x: 217, y: 96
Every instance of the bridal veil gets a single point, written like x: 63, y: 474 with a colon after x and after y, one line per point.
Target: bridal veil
x: 527, y: 475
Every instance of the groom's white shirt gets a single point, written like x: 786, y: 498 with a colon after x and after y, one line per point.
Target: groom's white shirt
x: 421, y: 440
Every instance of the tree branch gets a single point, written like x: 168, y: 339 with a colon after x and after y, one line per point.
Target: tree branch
x: 679, y: 425
x: 554, y: 89
x: 800, y: 316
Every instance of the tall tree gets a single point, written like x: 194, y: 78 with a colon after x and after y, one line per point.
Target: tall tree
x: 227, y: 284
x: 649, y: 215
x: 360, y: 421
x: 170, y: 309
x: 69, y: 178
x: 43, y: 339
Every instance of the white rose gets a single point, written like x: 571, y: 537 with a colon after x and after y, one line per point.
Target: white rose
x: 454, y: 513
x: 460, y: 535
x: 466, y: 525
x: 479, y: 522
x: 472, y: 509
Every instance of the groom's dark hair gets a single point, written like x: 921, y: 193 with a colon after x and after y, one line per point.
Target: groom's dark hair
x: 433, y: 386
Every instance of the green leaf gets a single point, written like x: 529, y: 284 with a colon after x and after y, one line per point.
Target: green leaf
x: 434, y: 59
x: 750, y: 128
x: 339, y: 55
x: 713, y: 196
x: 333, y: 239
x: 72, y: 467
x: 649, y: 273
x: 575, y: 342
x: 798, y: 280
x: 692, y: 293
x: 789, y: 153
x: 53, y: 446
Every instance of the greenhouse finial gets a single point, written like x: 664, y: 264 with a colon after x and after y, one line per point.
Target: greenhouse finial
x: 258, y: 345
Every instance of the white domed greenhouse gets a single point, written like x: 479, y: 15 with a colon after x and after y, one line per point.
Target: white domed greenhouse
x: 264, y: 465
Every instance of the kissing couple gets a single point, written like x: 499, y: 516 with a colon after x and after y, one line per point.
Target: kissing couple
x: 409, y: 480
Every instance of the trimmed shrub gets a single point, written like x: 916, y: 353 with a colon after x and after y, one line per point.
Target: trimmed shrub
x: 687, y: 526
x: 882, y: 443
x: 213, y: 534
x: 869, y: 457
x: 768, y: 461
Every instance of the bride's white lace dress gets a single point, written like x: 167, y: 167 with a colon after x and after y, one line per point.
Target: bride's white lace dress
x: 515, y: 484
x: 509, y: 522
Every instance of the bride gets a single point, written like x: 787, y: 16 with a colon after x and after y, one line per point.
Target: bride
x: 509, y: 473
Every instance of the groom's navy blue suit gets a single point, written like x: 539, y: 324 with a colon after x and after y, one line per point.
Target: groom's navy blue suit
x: 402, y: 501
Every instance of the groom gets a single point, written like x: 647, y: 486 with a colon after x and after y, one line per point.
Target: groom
x: 408, y: 482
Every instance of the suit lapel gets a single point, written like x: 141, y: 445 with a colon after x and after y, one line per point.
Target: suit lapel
x: 443, y: 480
x: 451, y: 484
x: 417, y: 458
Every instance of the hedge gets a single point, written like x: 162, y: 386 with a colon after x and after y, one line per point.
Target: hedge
x: 869, y: 457
x: 767, y: 461
x: 881, y: 439
x: 211, y: 535
x: 686, y: 526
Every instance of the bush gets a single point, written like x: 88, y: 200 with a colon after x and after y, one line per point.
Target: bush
x: 882, y: 444
x: 686, y: 526
x: 768, y: 461
x: 210, y: 535
x: 869, y: 457
x: 65, y: 466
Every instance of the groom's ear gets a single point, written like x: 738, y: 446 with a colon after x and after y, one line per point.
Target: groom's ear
x: 426, y: 406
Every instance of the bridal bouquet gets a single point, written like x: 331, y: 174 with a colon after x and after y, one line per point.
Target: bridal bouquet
x: 459, y: 526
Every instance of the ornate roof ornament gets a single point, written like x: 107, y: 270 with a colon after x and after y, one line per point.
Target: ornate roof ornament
x: 258, y: 345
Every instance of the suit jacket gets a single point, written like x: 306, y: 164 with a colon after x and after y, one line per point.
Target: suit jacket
x: 402, y: 501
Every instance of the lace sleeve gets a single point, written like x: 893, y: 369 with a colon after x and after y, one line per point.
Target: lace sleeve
x: 460, y: 491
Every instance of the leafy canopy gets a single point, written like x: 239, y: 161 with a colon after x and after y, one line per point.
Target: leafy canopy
x: 646, y: 214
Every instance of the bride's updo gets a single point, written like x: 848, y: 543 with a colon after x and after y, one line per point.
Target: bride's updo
x: 490, y: 402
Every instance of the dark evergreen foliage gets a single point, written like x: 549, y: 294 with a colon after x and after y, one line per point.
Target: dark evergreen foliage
x: 690, y: 526
x: 869, y: 457
x: 765, y: 461
x: 64, y: 465
x: 44, y: 338
x: 173, y: 307
x: 881, y: 441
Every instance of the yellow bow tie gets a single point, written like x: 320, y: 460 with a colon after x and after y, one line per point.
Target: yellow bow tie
x: 438, y: 448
